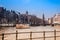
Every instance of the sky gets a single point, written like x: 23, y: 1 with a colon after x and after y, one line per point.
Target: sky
x: 35, y: 7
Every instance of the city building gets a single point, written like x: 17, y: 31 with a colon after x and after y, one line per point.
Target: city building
x: 56, y: 19
x: 50, y: 20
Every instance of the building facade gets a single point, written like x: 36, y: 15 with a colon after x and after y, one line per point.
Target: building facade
x: 56, y: 19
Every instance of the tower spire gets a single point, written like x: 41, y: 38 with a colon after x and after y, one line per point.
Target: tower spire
x: 43, y: 17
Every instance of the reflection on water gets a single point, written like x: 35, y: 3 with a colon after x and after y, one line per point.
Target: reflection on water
x: 20, y: 36
x: 8, y: 30
x: 35, y: 35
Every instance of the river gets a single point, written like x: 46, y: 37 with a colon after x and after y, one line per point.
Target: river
x: 33, y: 29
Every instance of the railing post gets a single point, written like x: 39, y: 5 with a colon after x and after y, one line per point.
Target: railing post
x: 16, y: 35
x: 30, y: 35
x: 44, y: 35
x: 54, y: 34
x: 2, y: 36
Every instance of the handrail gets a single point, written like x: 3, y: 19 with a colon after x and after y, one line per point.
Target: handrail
x: 31, y: 33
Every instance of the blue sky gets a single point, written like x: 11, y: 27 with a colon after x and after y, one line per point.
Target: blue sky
x: 34, y: 7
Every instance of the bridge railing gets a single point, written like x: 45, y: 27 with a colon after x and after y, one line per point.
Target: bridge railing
x: 31, y: 33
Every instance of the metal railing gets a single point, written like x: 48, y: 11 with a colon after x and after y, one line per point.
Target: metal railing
x: 44, y: 37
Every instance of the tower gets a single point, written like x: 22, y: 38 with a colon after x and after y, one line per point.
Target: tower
x: 43, y: 17
x: 27, y: 16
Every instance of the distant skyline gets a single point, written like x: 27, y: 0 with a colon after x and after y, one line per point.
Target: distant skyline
x: 34, y: 7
